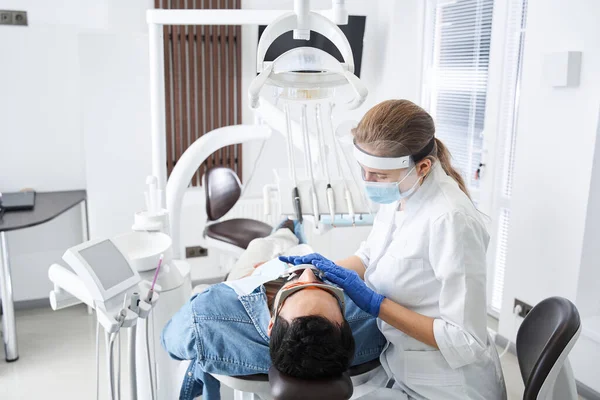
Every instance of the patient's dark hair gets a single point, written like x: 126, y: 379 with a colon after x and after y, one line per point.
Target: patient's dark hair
x: 311, y: 347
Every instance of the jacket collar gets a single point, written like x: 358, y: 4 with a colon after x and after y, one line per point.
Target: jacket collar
x: 255, y: 304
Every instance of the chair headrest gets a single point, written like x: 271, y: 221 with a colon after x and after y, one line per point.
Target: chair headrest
x: 285, y: 387
x: 223, y: 189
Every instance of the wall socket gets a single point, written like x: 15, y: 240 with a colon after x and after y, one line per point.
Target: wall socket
x: 195, y: 251
x: 525, y: 308
x: 5, y: 17
x: 9, y: 17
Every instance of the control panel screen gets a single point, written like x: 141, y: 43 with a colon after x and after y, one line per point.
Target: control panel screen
x: 107, y: 263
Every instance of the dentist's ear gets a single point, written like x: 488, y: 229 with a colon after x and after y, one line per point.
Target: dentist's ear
x: 424, y: 167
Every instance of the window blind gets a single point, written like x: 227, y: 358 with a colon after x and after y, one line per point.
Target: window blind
x: 457, y: 77
x: 513, y: 59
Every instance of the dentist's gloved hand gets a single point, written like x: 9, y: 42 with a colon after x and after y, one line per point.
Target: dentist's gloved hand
x: 357, y: 289
x: 307, y: 259
x: 348, y: 280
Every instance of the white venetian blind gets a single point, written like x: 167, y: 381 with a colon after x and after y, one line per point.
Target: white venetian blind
x: 456, y: 79
x: 507, y: 133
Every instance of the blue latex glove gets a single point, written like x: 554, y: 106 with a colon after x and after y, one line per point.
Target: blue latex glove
x: 348, y: 280
x: 357, y: 290
x: 307, y: 259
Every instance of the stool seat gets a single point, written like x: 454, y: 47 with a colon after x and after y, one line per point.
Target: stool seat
x: 238, y: 232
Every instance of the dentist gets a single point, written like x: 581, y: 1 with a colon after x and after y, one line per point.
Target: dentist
x: 422, y: 269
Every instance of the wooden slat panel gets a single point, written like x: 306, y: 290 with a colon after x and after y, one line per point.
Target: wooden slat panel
x: 199, y: 88
x: 193, y: 89
x: 208, y: 55
x: 230, y: 77
x: 223, y: 75
x: 238, y: 48
x: 177, y: 91
x: 202, y: 83
x: 215, y: 78
x: 183, y: 65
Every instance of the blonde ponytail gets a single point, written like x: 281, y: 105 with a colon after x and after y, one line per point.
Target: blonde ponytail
x: 443, y: 155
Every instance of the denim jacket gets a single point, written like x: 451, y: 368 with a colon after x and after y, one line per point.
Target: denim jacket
x: 223, y: 333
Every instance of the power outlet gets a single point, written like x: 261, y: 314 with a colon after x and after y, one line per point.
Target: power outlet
x: 525, y: 308
x: 9, y: 17
x: 195, y: 251
x: 19, y: 18
x: 5, y: 17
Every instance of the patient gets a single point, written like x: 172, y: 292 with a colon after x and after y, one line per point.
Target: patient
x: 268, y: 315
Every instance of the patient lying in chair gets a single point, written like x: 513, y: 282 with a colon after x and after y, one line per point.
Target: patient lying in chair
x: 265, y: 314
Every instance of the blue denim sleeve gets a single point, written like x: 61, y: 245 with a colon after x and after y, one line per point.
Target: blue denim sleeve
x: 178, y: 337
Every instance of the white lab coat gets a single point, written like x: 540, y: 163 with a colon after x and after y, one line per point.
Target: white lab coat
x: 430, y: 258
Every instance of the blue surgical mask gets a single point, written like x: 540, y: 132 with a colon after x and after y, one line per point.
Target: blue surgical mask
x: 388, y: 192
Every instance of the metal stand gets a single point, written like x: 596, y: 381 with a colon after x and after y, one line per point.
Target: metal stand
x: 9, y: 325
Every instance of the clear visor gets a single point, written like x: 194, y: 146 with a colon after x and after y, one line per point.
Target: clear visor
x: 398, y: 176
x: 379, y: 172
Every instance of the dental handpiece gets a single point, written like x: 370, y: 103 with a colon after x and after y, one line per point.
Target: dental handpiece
x: 329, y: 190
x: 347, y: 193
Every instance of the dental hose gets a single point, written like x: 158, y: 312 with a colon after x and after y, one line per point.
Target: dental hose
x: 110, y: 342
x: 118, y: 339
x: 97, y: 358
x: 132, y: 372
x: 329, y: 190
x: 315, y: 204
x: 292, y: 165
x: 149, y: 358
x: 132, y: 336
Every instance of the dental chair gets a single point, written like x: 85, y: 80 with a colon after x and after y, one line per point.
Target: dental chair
x: 223, y: 189
x: 278, y: 386
x: 545, y: 338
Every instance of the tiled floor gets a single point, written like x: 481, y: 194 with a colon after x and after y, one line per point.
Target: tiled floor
x: 57, y: 360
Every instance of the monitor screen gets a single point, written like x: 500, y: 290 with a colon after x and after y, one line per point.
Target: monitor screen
x: 107, y: 263
x: 354, y: 31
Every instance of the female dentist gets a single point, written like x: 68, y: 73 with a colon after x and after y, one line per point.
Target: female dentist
x: 422, y: 269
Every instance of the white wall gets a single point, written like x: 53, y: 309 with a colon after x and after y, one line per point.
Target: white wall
x: 41, y: 124
x: 555, y: 212
x: 116, y: 126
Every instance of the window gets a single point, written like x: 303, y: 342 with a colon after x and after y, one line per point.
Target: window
x: 507, y: 135
x: 457, y: 92
x: 456, y: 77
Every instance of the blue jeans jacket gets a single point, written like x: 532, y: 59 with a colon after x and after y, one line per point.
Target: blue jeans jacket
x: 225, y: 334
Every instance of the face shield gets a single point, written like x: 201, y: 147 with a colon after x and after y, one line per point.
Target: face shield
x: 389, y: 179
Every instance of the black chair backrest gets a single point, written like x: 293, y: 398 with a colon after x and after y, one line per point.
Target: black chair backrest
x: 223, y: 189
x: 285, y: 387
x: 542, y: 337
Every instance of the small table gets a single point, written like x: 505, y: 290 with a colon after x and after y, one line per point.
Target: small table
x: 48, y: 205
